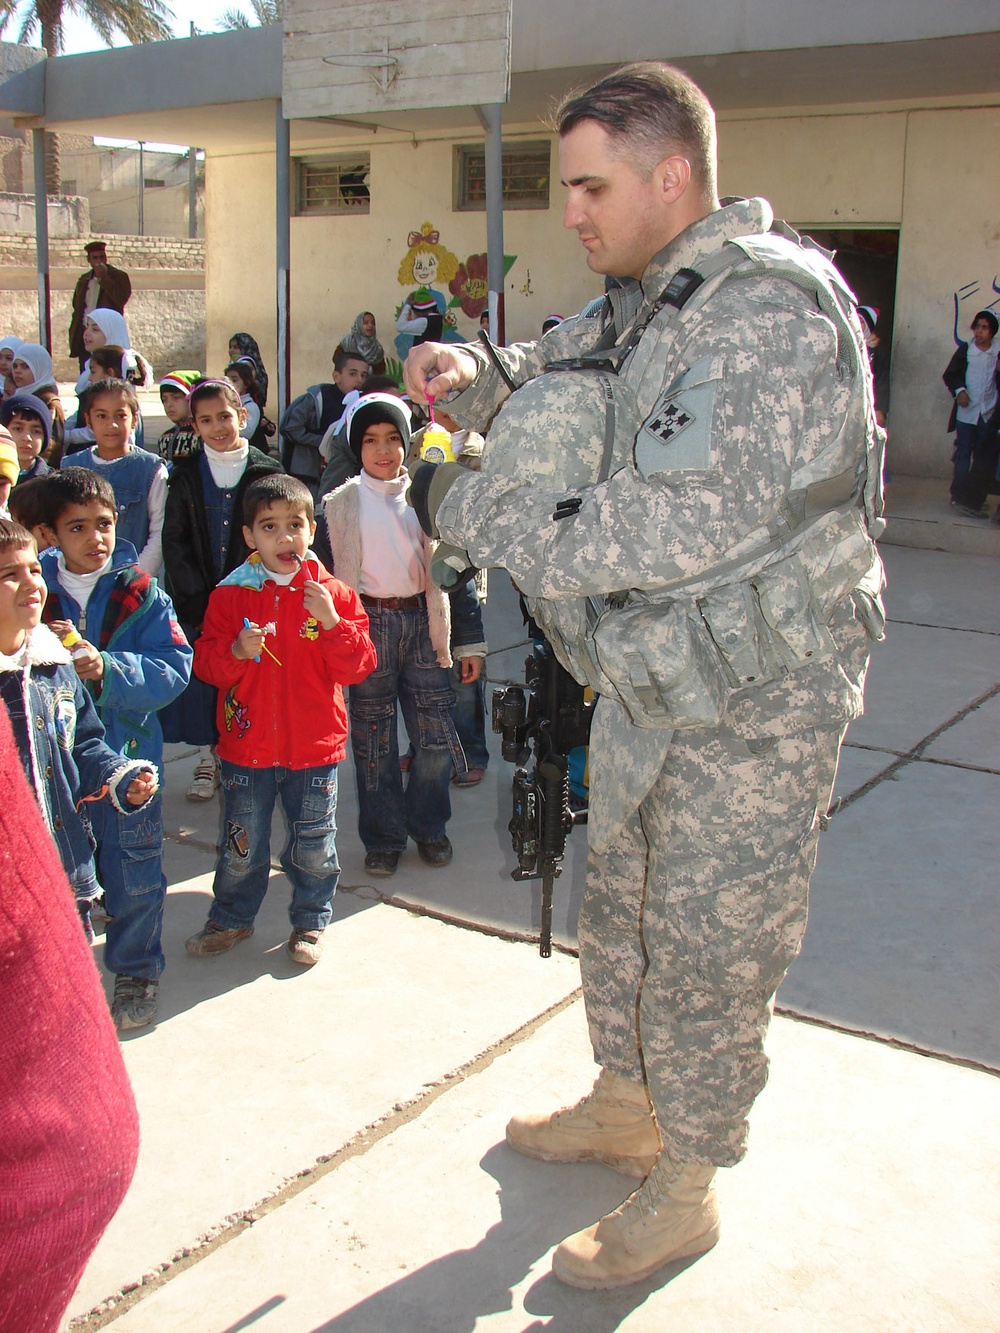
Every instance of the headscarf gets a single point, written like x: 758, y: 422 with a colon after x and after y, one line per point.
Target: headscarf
x: 35, y: 356
x: 112, y: 325
x: 248, y: 347
x: 10, y: 343
x: 361, y: 344
x: 990, y: 318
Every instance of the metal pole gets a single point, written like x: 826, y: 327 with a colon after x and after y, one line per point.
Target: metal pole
x: 283, y: 252
x: 490, y: 119
x: 193, y: 193
x: 42, y: 242
x: 142, y: 192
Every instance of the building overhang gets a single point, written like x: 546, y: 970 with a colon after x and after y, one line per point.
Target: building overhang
x: 221, y: 91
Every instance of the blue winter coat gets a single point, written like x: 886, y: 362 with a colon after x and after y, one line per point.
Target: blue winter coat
x: 147, y: 659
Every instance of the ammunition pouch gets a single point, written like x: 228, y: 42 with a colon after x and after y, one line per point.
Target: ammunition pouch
x: 676, y: 660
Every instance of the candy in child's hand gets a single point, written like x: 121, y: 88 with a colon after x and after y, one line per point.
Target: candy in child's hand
x: 71, y: 637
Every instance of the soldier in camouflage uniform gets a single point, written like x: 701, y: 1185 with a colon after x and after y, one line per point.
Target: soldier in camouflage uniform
x: 714, y: 577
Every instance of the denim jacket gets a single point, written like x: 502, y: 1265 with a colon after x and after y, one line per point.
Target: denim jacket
x: 62, y: 748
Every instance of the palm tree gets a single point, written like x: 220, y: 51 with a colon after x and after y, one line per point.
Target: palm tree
x: 264, y: 13
x: 135, y: 20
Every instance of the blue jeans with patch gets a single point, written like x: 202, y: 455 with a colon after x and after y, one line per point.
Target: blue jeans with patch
x: 407, y: 671
x: 309, y: 800
x: 130, y: 868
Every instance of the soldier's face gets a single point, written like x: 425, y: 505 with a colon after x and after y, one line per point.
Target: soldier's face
x: 621, y: 219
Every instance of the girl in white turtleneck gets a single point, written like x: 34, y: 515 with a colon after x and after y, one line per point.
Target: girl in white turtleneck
x: 380, y: 549
x: 202, y: 542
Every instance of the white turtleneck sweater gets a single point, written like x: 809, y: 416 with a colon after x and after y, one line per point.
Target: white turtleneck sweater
x: 392, y: 563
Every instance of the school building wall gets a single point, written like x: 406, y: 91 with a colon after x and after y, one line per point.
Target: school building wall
x: 930, y: 173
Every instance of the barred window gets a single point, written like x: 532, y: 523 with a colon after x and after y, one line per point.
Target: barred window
x: 526, y: 173
x: 332, y: 184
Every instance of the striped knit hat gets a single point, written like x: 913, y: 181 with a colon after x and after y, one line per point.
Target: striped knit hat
x: 180, y: 381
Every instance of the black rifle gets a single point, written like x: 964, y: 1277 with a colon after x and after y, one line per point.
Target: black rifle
x: 553, y: 719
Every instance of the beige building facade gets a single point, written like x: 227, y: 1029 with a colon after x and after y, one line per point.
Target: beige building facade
x: 892, y: 141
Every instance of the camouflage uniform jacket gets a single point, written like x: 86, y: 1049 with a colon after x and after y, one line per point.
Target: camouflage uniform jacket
x: 751, y: 393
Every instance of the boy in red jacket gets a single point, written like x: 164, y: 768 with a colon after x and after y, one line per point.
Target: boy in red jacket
x: 281, y: 637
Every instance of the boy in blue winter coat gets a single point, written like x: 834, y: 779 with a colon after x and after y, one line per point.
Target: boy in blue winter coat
x: 133, y: 659
x: 59, y: 735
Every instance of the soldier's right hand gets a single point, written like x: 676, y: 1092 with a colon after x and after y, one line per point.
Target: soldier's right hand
x: 433, y: 370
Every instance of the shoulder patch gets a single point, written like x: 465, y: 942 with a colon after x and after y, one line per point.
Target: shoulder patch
x: 677, y: 434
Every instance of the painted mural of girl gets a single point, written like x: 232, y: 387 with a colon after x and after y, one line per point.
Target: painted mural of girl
x: 422, y: 316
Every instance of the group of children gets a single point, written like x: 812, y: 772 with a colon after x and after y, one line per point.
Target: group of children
x: 95, y: 655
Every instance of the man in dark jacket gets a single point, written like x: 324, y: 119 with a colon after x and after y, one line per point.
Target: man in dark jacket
x: 100, y: 288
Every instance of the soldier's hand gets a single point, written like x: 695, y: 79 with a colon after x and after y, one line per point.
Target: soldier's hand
x: 962, y: 398
x: 433, y: 370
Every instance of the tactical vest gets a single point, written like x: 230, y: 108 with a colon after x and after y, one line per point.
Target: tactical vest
x: 676, y: 656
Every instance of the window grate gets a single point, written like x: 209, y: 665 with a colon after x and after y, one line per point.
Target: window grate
x: 332, y: 185
x: 526, y: 172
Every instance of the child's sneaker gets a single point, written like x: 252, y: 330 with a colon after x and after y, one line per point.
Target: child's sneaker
x: 305, y: 946
x: 212, y: 939
x: 207, y: 779
x: 134, y: 1003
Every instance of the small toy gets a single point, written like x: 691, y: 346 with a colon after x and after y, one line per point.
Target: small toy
x: 73, y: 640
x: 269, y: 628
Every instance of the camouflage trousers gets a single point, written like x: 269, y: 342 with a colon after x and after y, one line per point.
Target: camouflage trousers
x: 690, y: 920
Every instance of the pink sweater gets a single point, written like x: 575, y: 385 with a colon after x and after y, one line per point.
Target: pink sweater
x: 69, y: 1131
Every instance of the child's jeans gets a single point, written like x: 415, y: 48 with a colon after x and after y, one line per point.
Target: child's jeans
x: 408, y: 670
x: 130, y: 867
x: 309, y: 799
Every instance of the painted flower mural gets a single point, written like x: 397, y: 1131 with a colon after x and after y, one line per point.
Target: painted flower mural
x: 470, y: 286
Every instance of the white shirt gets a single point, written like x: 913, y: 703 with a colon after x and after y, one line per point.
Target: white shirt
x: 80, y: 586
x: 392, y: 561
x: 980, y: 384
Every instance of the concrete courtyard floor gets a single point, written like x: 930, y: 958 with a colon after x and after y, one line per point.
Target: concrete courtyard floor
x: 324, y: 1150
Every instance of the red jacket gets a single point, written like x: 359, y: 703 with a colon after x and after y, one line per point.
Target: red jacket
x: 292, y: 715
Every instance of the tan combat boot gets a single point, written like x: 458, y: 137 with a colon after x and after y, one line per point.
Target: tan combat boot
x: 612, y: 1124
x: 671, y: 1216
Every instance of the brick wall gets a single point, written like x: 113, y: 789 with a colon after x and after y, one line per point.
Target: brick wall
x: 166, y: 314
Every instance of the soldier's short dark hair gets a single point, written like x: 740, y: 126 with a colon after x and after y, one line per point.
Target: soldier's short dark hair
x: 270, y: 490
x: 650, y: 109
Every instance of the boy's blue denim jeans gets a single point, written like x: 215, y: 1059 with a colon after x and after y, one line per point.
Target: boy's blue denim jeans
x: 470, y: 718
x: 408, y: 671
x: 309, y: 799
x: 130, y: 867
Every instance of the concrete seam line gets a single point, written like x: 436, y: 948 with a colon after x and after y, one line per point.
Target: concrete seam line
x: 403, y: 1113
x: 478, y: 927
x: 914, y: 754
x: 897, y: 1043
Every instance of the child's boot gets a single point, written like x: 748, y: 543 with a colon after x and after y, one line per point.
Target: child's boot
x: 213, y: 939
x: 305, y: 946
x: 134, y: 1003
